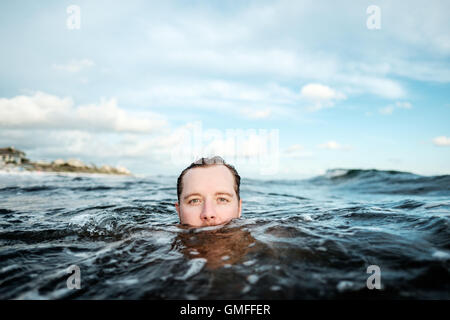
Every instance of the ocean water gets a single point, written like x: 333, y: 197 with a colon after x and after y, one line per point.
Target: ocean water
x: 297, y: 239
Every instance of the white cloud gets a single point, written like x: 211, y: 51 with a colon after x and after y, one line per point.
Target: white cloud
x: 398, y: 105
x: 254, y: 149
x: 256, y: 114
x: 217, y: 90
x: 297, y: 151
x: 404, y: 105
x: 433, y: 33
x: 45, y: 111
x: 255, y: 40
x: 108, y: 116
x: 251, y: 101
x: 442, y: 141
x: 424, y: 70
x: 387, y: 110
x: 321, y: 95
x: 74, y: 66
x: 333, y: 145
x: 211, y: 44
x: 167, y: 149
x: 315, y: 91
x: 366, y: 83
x: 138, y: 150
x: 249, y: 146
x: 216, y: 43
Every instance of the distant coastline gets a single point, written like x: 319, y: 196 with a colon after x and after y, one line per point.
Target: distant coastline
x: 12, y: 159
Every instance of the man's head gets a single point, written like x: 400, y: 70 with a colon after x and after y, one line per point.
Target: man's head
x: 208, y: 193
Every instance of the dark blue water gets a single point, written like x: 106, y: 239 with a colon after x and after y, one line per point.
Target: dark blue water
x: 303, y: 239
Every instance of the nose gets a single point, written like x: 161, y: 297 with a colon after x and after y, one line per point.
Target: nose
x: 208, y: 214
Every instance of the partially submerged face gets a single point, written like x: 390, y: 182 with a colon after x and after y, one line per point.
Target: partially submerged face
x: 208, y: 197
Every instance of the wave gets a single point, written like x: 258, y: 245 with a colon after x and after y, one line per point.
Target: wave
x: 384, y: 181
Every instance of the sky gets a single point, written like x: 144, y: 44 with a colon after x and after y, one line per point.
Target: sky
x: 280, y: 89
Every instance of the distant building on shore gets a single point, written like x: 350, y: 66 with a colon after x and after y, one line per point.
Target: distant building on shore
x: 12, y: 155
x: 11, y: 158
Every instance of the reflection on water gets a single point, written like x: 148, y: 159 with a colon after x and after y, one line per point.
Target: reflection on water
x: 219, y: 246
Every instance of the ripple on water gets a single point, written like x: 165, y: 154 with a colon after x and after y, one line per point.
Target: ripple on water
x: 295, y: 240
x: 195, y: 266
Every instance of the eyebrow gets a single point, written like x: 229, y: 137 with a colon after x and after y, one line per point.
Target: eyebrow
x: 216, y: 194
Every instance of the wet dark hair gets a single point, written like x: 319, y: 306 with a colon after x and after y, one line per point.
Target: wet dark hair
x: 206, y: 162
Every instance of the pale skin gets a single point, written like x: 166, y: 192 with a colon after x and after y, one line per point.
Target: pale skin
x: 208, y: 197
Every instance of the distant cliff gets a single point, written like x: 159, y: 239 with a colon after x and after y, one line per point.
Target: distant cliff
x: 11, y: 159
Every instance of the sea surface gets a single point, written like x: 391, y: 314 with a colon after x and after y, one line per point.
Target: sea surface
x: 297, y: 239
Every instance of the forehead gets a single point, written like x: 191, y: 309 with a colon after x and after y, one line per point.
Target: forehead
x: 208, y: 179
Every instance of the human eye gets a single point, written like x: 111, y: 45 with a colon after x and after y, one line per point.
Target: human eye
x: 194, y: 201
x: 223, y: 200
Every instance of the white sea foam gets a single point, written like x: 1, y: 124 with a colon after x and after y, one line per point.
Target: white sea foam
x: 9, y: 268
x: 253, y: 278
x: 441, y: 255
x: 333, y: 173
x: 275, y: 288
x: 196, y: 265
x: 249, y: 263
x: 246, y: 289
x: 126, y: 281
x: 345, y: 285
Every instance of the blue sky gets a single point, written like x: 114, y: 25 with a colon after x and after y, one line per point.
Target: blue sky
x: 124, y: 87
